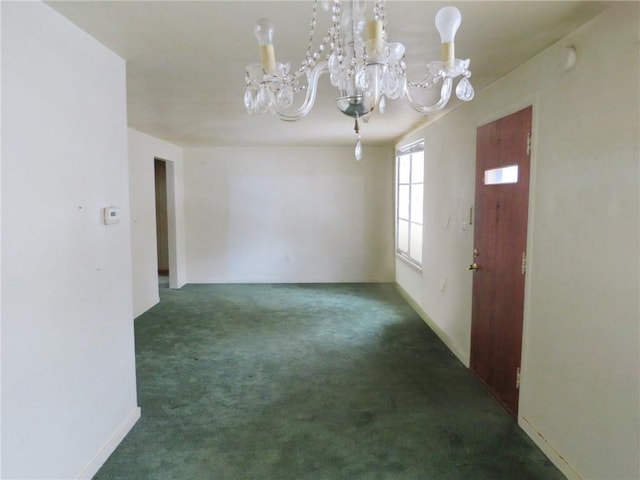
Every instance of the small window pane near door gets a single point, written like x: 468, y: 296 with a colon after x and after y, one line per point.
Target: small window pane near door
x: 404, y: 169
x: 409, y: 202
x: 501, y: 176
x: 404, y: 200
x: 415, y: 248
x: 403, y: 235
x: 417, y: 167
x: 416, y: 204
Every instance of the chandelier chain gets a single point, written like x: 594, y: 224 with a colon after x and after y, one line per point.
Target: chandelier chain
x: 311, y: 57
x: 379, y: 12
x: 335, y: 32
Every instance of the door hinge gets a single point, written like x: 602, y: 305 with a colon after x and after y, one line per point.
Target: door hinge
x: 523, y: 267
x: 518, y: 378
x: 529, y: 143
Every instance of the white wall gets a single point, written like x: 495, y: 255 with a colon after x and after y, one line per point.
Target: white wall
x: 441, y: 292
x: 580, y: 395
x: 289, y: 214
x: 143, y: 150
x: 68, y: 367
x: 1, y: 150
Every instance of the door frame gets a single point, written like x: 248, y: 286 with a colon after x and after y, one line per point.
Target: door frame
x: 171, y: 221
x: 160, y: 171
x: 532, y: 101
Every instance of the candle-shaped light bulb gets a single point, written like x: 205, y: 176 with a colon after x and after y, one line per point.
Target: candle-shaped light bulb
x: 374, y: 40
x: 264, y: 34
x: 448, y: 21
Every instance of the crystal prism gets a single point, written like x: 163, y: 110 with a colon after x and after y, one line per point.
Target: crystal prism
x: 358, y: 151
x: 284, y: 98
x: 248, y: 100
x: 264, y: 99
x: 382, y: 105
x: 464, y: 90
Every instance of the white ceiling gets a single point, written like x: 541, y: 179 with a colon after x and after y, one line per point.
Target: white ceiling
x: 186, y: 61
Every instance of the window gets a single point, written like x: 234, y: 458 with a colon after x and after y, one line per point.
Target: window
x: 409, y: 195
x: 500, y: 176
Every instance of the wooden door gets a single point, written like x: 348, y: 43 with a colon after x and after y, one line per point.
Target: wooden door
x: 500, y: 245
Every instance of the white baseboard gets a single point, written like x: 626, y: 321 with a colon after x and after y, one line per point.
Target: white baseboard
x: 433, y: 326
x: 110, y: 446
x: 558, y: 460
x: 141, y: 310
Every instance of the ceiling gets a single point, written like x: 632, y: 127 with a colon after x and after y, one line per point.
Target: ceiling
x: 186, y: 61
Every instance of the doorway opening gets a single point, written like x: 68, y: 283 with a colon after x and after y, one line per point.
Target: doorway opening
x: 162, y: 222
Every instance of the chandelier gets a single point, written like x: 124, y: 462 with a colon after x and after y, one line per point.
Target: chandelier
x: 365, y: 67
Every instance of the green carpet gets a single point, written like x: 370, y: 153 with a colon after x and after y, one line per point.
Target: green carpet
x: 309, y: 382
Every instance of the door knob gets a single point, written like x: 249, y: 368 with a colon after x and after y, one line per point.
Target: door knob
x: 474, y: 266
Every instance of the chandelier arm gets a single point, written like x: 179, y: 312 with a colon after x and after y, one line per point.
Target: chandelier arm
x: 445, y: 95
x: 312, y: 90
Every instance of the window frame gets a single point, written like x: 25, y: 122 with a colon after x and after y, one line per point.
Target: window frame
x: 402, y: 152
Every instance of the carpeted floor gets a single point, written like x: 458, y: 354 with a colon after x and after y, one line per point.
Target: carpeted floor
x: 309, y: 382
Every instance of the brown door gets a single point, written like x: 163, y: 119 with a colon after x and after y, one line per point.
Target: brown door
x: 500, y: 245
